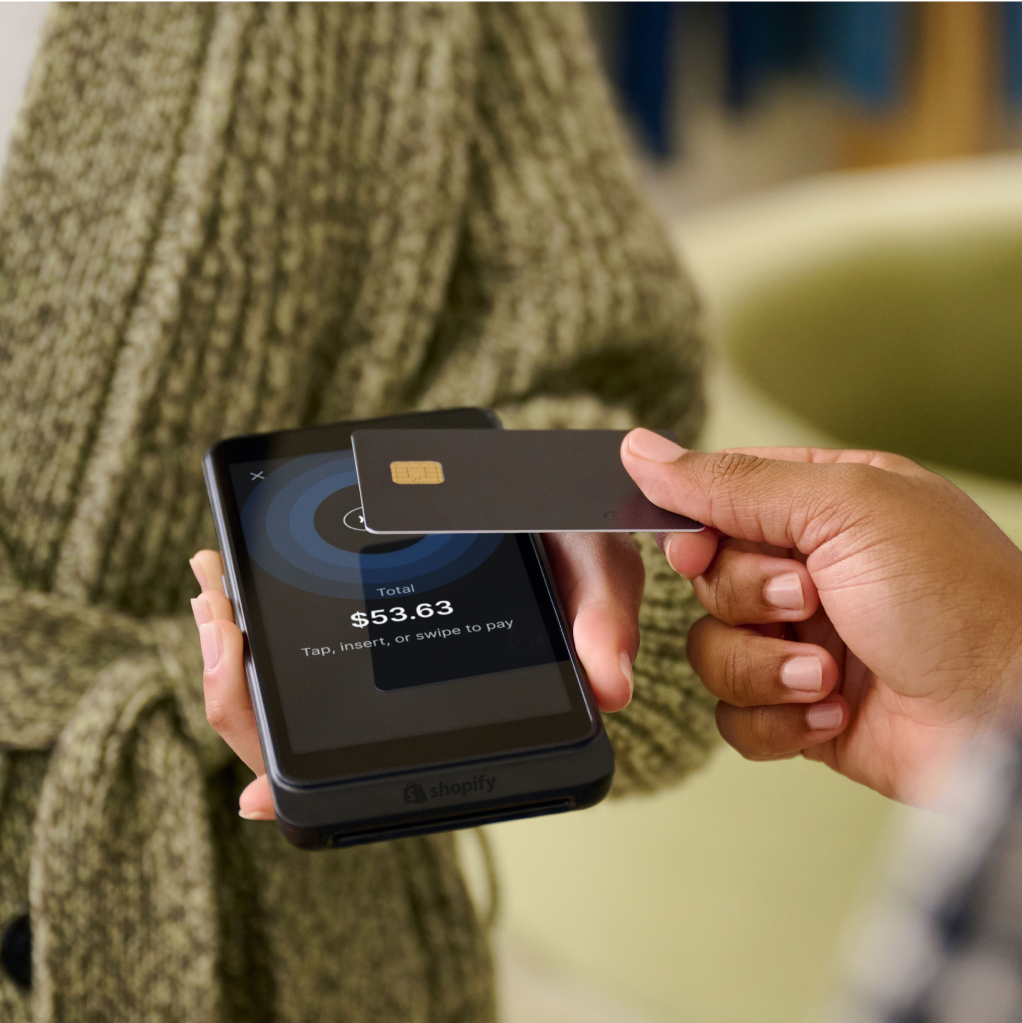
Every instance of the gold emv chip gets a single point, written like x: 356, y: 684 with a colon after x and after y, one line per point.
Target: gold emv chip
x: 416, y: 472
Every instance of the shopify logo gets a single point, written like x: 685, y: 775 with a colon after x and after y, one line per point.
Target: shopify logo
x: 481, y: 784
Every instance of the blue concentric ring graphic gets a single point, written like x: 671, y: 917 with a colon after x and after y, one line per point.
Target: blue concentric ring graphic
x: 278, y: 520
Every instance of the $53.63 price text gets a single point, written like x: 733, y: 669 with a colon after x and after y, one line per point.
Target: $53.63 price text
x: 398, y: 614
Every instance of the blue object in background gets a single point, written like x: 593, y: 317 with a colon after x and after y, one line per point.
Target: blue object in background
x: 761, y: 39
x: 862, y: 45
x: 865, y: 46
x: 1011, y: 23
x: 644, y: 74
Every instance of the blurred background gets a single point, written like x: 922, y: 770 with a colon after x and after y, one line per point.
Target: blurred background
x: 844, y: 183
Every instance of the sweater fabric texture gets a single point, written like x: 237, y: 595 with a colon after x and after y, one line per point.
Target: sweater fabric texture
x: 228, y: 218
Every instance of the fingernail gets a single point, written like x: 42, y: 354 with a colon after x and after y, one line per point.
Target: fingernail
x: 785, y: 591
x: 665, y: 546
x: 212, y: 645
x: 671, y: 537
x: 626, y: 668
x: 650, y: 445
x: 824, y: 717
x: 201, y: 610
x: 198, y: 573
x: 804, y: 675
x: 256, y: 815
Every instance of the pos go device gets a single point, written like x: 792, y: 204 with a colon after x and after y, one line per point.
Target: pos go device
x: 402, y: 683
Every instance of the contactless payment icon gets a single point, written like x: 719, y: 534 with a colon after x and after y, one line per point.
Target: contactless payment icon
x: 291, y: 519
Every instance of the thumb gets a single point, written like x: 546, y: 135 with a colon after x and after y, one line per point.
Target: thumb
x: 786, y: 503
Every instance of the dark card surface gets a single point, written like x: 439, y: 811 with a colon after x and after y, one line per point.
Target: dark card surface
x: 502, y: 481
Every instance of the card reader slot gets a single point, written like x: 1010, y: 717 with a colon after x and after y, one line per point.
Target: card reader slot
x: 470, y: 819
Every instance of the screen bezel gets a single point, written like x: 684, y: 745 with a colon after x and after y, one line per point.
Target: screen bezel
x: 510, y: 738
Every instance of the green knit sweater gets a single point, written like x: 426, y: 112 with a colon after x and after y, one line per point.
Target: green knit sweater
x: 218, y: 219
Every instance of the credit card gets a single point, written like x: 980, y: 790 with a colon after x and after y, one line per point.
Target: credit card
x: 503, y: 481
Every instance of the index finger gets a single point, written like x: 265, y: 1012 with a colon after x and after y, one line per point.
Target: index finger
x: 600, y: 578
x: 784, y: 503
x: 208, y: 568
x: 228, y: 704
x: 836, y: 456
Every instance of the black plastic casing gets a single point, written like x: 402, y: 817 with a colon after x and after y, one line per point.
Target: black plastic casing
x: 442, y: 797
x: 371, y: 810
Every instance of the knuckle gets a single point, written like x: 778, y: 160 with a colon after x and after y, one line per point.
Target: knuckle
x: 730, y: 666
x: 726, y: 593
x: 851, y: 498
x: 225, y: 612
x: 756, y: 733
x: 728, y: 467
x: 763, y: 726
x: 735, y: 667
x: 770, y: 737
x: 216, y: 714
x: 730, y: 477
x: 738, y: 728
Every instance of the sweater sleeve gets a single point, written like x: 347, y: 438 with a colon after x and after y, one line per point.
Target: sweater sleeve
x: 563, y: 283
x: 668, y: 730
